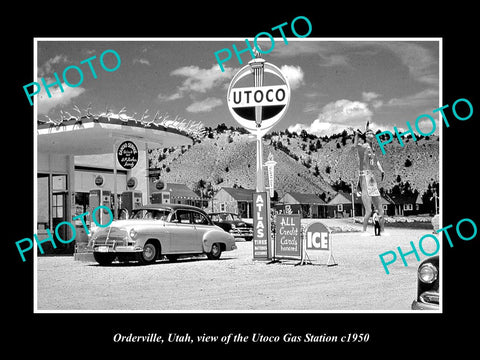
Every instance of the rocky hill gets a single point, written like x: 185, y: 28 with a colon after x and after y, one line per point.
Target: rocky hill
x: 335, y: 159
x: 305, y: 163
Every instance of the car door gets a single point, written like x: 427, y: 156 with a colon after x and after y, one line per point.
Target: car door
x: 202, y: 226
x: 183, y: 233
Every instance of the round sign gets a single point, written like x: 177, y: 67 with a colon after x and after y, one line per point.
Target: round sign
x: 127, y: 154
x: 258, y: 108
x: 132, y: 183
x: 99, y: 180
x: 160, y: 185
x: 318, y: 236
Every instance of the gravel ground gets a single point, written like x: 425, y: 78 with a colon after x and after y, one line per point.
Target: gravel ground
x: 237, y: 282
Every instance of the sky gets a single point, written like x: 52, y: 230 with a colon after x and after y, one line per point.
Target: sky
x: 335, y: 84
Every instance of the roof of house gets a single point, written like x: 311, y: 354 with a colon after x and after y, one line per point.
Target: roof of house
x: 302, y: 198
x: 181, y: 191
x: 240, y: 194
x: 342, y: 197
x: 406, y: 199
x: 346, y: 198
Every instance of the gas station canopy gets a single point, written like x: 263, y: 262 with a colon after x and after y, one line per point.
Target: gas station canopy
x: 97, y: 135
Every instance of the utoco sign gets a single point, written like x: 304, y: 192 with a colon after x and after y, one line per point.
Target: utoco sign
x: 258, y: 108
x: 264, y: 96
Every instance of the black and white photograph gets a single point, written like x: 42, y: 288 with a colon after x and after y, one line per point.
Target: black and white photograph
x: 177, y: 174
x: 270, y: 182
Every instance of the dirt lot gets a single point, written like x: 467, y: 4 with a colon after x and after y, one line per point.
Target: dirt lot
x: 237, y: 282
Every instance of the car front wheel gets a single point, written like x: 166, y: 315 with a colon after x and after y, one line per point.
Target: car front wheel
x: 215, y: 252
x: 149, y: 254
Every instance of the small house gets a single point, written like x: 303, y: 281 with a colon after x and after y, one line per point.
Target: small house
x: 308, y: 205
x: 235, y: 200
x: 341, y: 205
x: 177, y: 194
x: 407, y: 204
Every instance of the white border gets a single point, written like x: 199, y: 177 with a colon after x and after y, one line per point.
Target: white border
x: 339, y: 39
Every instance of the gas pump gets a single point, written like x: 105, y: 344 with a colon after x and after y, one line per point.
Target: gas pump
x: 99, y: 197
x: 161, y: 197
x: 131, y: 200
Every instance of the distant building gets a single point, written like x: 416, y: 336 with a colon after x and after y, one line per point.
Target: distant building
x: 341, y: 205
x: 308, y: 205
x: 410, y: 204
x: 235, y: 200
x: 177, y: 194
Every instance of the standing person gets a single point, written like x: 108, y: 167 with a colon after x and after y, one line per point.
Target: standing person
x: 366, y: 182
x: 376, y: 222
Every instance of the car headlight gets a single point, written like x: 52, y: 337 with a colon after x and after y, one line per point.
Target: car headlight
x: 427, y: 273
x: 133, y: 234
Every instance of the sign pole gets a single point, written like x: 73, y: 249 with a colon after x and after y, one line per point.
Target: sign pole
x: 115, y: 208
x: 258, y: 109
x: 260, y: 179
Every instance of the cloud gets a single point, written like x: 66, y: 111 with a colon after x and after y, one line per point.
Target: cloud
x: 201, y: 80
x: 45, y: 104
x: 369, y: 95
x: 141, y: 61
x: 205, y: 105
x: 294, y: 75
x: 47, y: 67
x: 174, y: 96
x: 426, y: 126
x: 372, y: 99
x: 336, y: 117
x: 421, y: 63
x: 426, y: 98
x: 329, y: 53
x: 198, y: 80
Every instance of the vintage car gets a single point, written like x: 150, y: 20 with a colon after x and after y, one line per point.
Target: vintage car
x: 158, y: 230
x: 233, y: 224
x: 428, y: 281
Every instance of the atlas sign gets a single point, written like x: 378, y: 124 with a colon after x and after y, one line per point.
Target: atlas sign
x: 258, y: 108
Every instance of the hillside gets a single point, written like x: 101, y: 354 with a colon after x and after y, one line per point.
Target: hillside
x: 305, y: 163
x: 229, y: 159
x: 417, y: 162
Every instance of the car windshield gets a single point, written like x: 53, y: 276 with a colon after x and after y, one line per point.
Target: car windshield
x: 156, y: 214
x: 227, y: 217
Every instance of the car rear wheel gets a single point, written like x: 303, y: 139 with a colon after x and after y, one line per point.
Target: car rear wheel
x: 149, y: 254
x: 103, y: 259
x: 215, y: 252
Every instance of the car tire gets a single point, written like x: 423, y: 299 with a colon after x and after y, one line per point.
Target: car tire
x: 103, y: 259
x: 215, y: 252
x: 149, y: 254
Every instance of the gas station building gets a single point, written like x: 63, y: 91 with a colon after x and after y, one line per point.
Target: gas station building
x: 78, y: 169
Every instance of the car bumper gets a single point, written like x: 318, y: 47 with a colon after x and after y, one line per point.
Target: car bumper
x: 428, y: 300
x: 418, y: 305
x: 238, y: 234
x: 117, y: 249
